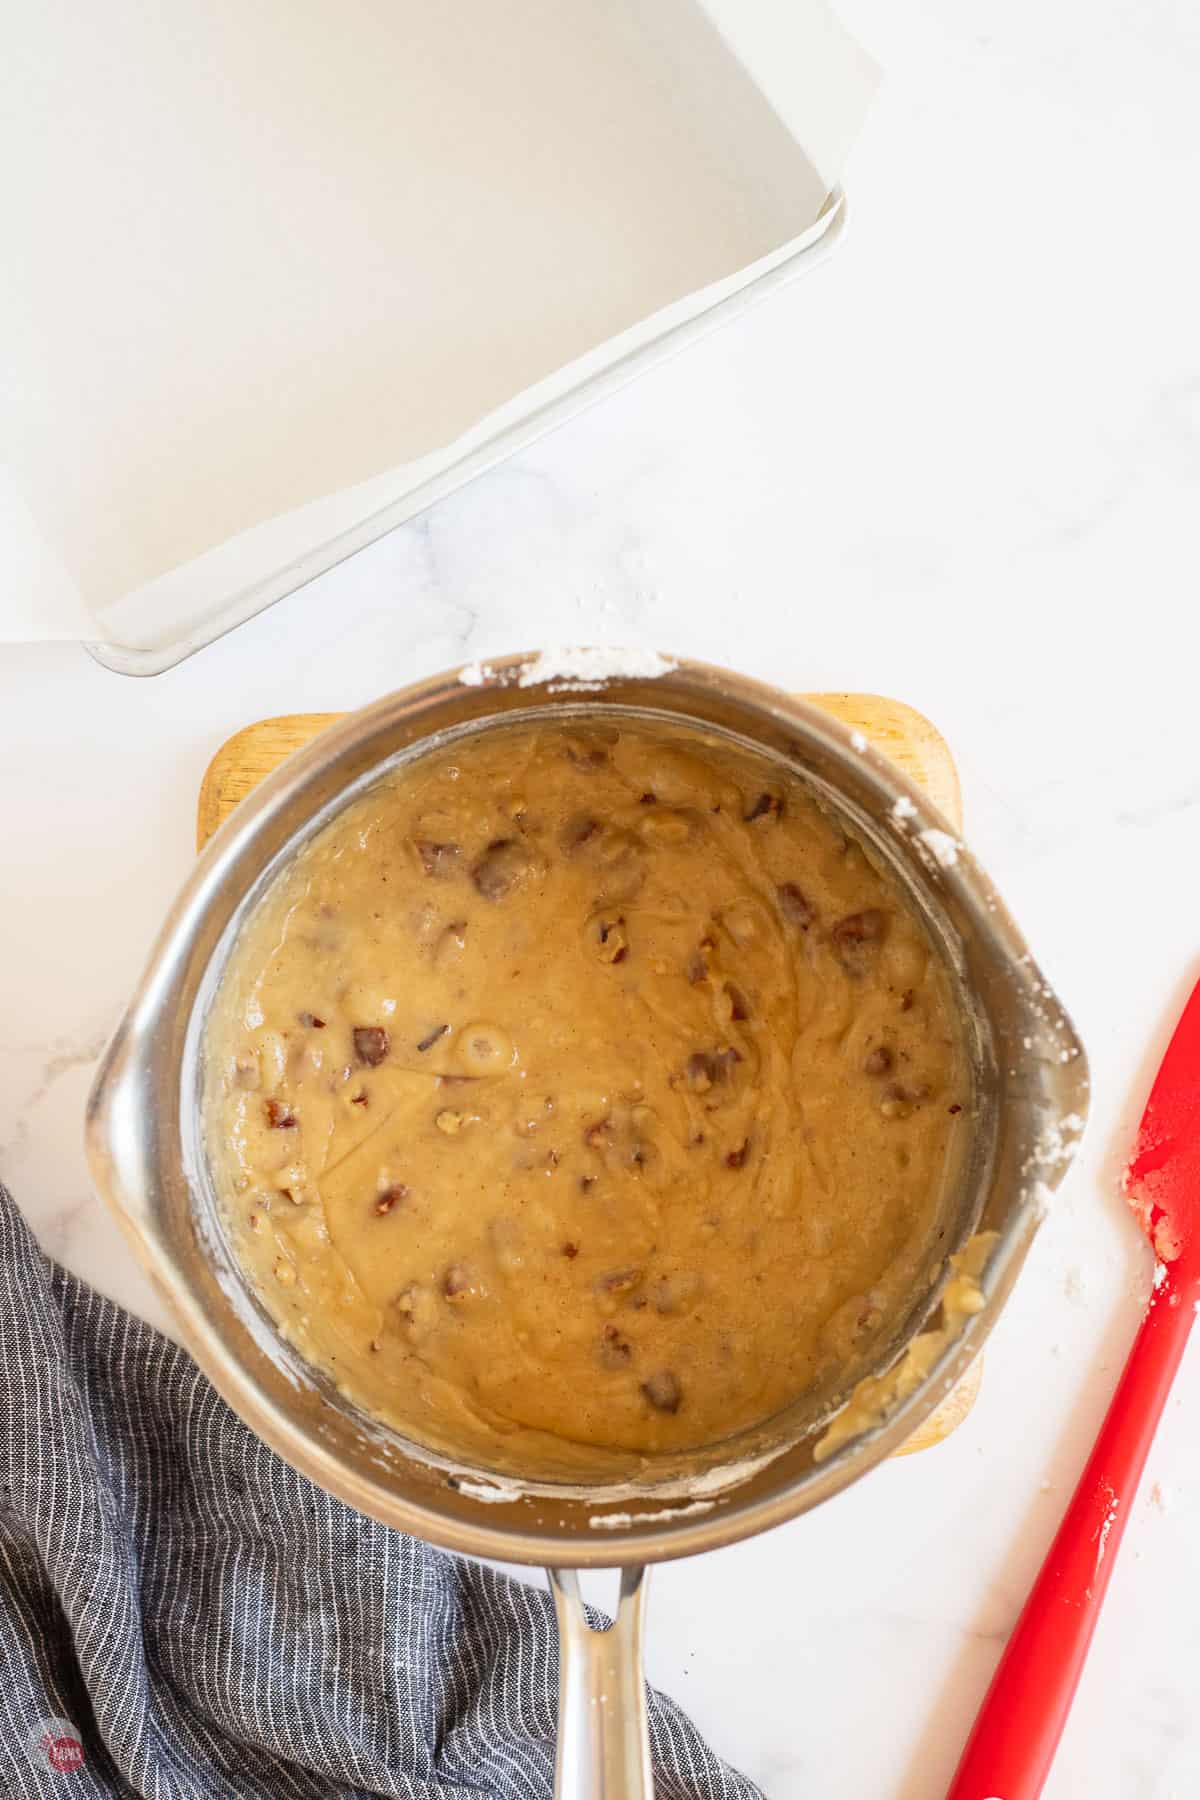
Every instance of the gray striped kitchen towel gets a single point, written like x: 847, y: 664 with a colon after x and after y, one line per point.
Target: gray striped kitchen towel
x: 183, y: 1617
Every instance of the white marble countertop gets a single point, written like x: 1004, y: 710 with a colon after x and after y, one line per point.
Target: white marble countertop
x: 959, y: 465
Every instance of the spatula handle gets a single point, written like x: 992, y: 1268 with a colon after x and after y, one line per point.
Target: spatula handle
x: 1009, y: 1752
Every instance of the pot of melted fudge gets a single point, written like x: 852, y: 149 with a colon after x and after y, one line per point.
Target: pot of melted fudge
x: 581, y: 1089
x: 586, y: 1116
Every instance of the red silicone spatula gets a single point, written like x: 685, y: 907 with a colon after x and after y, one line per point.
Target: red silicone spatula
x: 1009, y: 1753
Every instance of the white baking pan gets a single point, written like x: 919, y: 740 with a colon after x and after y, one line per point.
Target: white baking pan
x: 281, y: 276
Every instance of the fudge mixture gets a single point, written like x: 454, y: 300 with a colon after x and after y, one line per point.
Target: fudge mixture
x: 584, y: 1090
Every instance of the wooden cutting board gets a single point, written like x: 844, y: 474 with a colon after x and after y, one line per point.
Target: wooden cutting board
x: 901, y: 732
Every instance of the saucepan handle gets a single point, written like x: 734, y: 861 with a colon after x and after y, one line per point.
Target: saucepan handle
x: 603, y: 1740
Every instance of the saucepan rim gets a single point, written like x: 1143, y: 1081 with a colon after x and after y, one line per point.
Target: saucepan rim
x: 139, y: 1116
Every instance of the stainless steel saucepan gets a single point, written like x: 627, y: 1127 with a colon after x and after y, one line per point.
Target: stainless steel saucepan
x: 148, y: 1159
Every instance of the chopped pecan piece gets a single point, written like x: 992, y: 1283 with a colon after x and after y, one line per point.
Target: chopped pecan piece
x: 311, y: 1022
x: 879, y: 1061
x: 613, y: 944
x: 437, y: 859
x: 483, y: 1049
x: 570, y: 1251
x: 371, y: 1044
x: 857, y: 936
x: 577, y: 832
x: 672, y: 1293
x: 500, y: 867
x: 587, y: 757
x: 705, y: 1068
x: 615, y: 1350
x: 697, y: 963
x: 898, y: 1100
x: 408, y: 1301
x: 390, y: 1197
x: 663, y: 1391
x: 739, y: 1006
x: 795, y: 905
x: 767, y: 806
x: 620, y: 1281
x: 450, y: 944
x: 280, y: 1116
x: 736, y: 1159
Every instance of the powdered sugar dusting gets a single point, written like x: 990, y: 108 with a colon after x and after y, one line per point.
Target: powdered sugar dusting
x: 621, y: 1521
x: 1056, y: 1143
x: 497, y: 1490
x: 1041, y: 1195
x: 571, y: 670
x: 941, y: 846
x: 491, y: 1493
x: 936, y: 848
x: 591, y: 668
x: 1109, y: 1520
